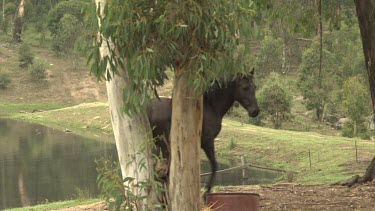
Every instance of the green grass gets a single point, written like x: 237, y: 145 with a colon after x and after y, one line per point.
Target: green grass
x: 11, y: 109
x: 332, y: 157
x: 88, y: 119
x: 56, y: 205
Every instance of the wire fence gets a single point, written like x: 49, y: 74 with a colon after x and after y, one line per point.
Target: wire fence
x: 360, y: 152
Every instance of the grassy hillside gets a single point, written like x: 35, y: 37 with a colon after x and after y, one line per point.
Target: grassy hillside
x: 332, y: 157
x: 67, y: 83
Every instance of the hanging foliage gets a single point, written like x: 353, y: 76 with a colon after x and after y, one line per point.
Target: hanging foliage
x: 151, y: 36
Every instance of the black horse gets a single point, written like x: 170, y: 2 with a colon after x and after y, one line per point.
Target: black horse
x: 216, y: 101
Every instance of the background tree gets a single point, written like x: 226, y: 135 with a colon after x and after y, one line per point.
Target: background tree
x: 365, y: 12
x: 289, y: 21
x: 18, y: 19
x: 270, y: 57
x: 347, y: 61
x: 66, y: 24
x: 356, y: 101
x: 8, y: 14
x: 64, y: 41
x: 316, y: 88
x: 275, y: 100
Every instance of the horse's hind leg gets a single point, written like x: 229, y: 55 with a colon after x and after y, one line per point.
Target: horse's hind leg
x: 209, y: 149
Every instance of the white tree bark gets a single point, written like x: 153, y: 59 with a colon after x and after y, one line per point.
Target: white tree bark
x: 21, y: 10
x: 187, y: 115
x: 132, y: 135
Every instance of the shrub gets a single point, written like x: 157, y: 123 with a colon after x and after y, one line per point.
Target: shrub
x: 231, y: 145
x: 352, y: 130
x: 26, y: 56
x: 4, y: 81
x: 117, y: 192
x: 81, y: 194
x: 38, y: 71
x: 275, y: 100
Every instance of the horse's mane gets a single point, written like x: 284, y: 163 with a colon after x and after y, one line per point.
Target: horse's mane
x: 218, y: 87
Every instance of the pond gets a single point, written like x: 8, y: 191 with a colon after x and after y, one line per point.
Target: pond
x: 40, y: 164
x: 239, y: 176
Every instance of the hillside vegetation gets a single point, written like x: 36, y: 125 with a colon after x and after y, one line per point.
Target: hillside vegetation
x: 72, y: 99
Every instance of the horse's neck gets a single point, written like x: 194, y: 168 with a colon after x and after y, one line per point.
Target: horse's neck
x: 222, y: 101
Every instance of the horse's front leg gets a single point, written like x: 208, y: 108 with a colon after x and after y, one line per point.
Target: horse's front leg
x: 209, y: 149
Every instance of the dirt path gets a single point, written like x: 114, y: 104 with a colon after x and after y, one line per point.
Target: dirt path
x: 311, y: 197
x: 296, y: 197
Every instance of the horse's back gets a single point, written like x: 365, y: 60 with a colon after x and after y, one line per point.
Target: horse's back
x: 160, y: 110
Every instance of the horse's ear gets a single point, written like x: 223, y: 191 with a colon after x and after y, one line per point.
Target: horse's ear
x: 252, y: 72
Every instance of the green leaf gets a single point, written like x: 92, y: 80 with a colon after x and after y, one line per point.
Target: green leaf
x: 149, y: 50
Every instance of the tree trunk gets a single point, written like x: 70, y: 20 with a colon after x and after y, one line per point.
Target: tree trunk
x: 132, y: 135
x: 3, y: 10
x: 370, y: 172
x: 284, y: 65
x: 320, y: 43
x: 186, y: 130
x: 366, y: 18
x: 18, y: 22
x: 338, y: 16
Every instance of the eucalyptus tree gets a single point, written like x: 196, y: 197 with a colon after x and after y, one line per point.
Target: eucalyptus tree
x: 196, y: 39
x: 356, y: 101
x: 289, y: 20
x: 365, y: 12
x: 66, y: 23
x: 314, y: 84
x: 18, y: 19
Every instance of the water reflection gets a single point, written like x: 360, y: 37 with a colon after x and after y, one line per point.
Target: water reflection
x: 39, y: 164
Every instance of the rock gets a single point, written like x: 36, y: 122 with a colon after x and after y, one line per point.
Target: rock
x: 341, y: 123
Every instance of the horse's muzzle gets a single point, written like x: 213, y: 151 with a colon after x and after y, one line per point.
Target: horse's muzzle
x: 254, y: 112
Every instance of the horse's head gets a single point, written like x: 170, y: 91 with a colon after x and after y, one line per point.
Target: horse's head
x: 245, y: 93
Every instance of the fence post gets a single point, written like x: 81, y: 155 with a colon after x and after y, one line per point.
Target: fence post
x: 310, y: 157
x: 243, y: 162
x: 356, y: 152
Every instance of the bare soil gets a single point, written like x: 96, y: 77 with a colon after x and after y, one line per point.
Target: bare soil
x: 289, y: 196
x: 311, y: 197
